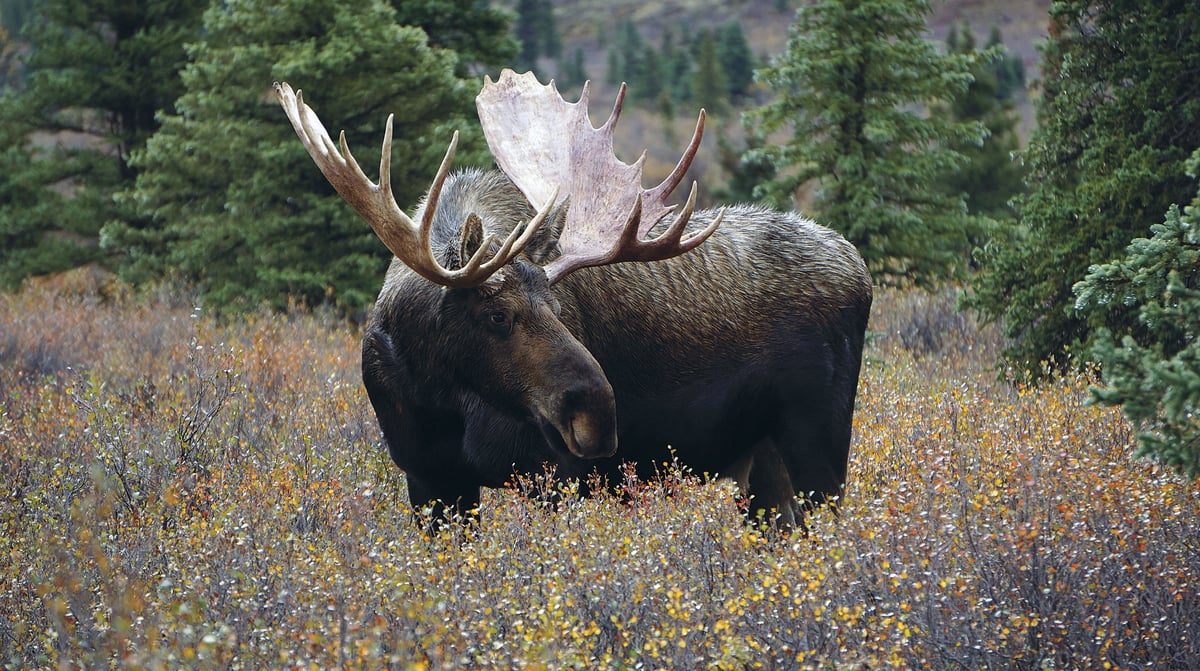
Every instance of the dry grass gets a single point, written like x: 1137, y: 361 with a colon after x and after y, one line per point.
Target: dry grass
x: 183, y: 493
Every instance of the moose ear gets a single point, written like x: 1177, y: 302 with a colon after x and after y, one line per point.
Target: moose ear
x: 544, y: 246
x: 470, y: 238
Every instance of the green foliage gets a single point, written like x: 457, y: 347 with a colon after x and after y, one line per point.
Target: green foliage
x: 850, y: 92
x: 15, y: 14
x: 708, y: 83
x: 10, y: 62
x: 632, y: 61
x: 96, y: 75
x: 1008, y: 69
x: 678, y: 62
x: 747, y: 168
x: 184, y: 492
x: 736, y: 59
x: 100, y: 74
x: 573, y: 71
x: 476, y: 31
x: 992, y: 175
x: 1152, y: 368
x: 537, y: 32
x: 1116, y: 123
x: 712, y: 68
x: 238, y: 206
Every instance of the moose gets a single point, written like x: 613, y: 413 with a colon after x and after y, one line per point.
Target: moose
x: 555, y: 313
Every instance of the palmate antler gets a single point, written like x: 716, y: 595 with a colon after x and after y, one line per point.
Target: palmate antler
x: 541, y: 142
x: 409, y: 241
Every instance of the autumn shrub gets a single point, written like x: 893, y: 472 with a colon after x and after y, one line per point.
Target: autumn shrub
x: 187, y: 492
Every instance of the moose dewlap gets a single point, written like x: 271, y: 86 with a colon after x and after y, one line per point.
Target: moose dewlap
x: 556, y: 313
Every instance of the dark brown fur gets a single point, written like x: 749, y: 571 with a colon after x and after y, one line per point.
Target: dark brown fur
x: 742, y: 356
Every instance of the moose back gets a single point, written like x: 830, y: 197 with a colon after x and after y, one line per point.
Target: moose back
x: 556, y: 313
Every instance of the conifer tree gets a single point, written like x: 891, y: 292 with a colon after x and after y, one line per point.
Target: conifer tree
x: 573, y: 69
x: 736, y: 59
x: 537, y: 31
x: 14, y: 15
x: 709, y: 88
x: 850, y: 90
x: 1151, y: 365
x: 97, y: 74
x: 649, y: 84
x: 1117, y: 119
x: 1008, y: 69
x: 630, y: 49
x: 991, y: 176
x: 747, y: 169
x: 476, y: 31
x: 239, y: 206
x: 678, y: 64
x: 10, y: 62
x: 614, y: 72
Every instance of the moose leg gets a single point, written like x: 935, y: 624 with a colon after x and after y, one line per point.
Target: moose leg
x: 445, y: 503
x: 813, y: 448
x: 771, y: 483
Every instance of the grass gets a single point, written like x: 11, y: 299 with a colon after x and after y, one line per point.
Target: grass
x: 186, y: 493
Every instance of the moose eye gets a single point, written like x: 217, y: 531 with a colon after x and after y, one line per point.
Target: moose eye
x: 497, y: 319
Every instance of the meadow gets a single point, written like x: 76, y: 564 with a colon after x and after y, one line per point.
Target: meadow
x: 182, y: 491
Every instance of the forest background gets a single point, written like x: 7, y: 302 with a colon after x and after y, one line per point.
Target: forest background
x: 195, y: 477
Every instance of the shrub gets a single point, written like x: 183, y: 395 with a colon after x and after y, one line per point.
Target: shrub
x: 227, y: 503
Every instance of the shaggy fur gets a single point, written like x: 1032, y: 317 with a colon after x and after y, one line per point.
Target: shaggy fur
x: 742, y: 357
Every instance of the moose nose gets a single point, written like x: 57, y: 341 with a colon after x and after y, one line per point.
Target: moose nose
x: 589, y: 438
x: 588, y: 421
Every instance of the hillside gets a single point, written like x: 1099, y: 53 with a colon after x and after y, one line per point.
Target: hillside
x: 588, y: 24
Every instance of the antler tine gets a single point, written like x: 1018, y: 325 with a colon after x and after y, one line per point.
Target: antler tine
x: 409, y: 241
x: 513, y: 245
x: 671, y: 242
x: 539, y: 139
x: 435, y: 189
x: 668, y: 185
x: 616, y: 110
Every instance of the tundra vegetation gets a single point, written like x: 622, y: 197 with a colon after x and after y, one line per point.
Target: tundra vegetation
x: 183, y: 490
x: 188, y: 492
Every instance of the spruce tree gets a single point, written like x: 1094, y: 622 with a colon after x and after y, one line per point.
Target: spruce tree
x: 573, y: 70
x: 15, y: 15
x: 537, y: 31
x: 678, y: 64
x: 1151, y: 365
x: 1008, y: 69
x: 1117, y: 119
x: 10, y: 62
x: 709, y: 89
x: 746, y: 168
x: 992, y: 175
x: 476, y: 31
x: 96, y: 75
x: 851, y: 92
x: 239, y: 207
x: 614, y: 73
x: 736, y: 59
x: 631, y: 54
x: 650, y: 82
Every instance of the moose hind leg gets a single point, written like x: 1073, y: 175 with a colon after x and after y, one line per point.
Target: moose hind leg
x: 814, y: 447
x: 769, y: 485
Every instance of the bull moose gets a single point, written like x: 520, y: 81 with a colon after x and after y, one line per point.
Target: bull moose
x: 555, y: 313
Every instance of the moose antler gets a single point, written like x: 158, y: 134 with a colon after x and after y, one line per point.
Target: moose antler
x: 410, y: 242
x: 540, y: 140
